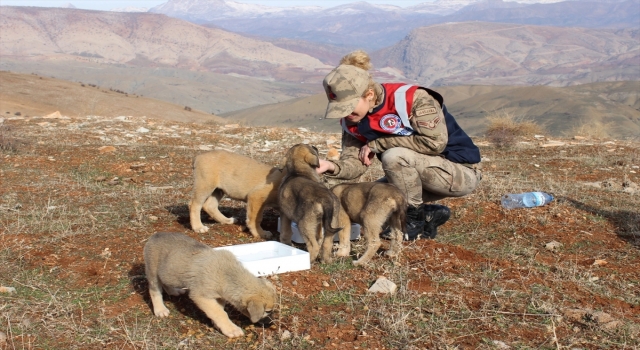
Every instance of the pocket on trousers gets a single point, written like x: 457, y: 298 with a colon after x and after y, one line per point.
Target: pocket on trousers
x: 454, y: 175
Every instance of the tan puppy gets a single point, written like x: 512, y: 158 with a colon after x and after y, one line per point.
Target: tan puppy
x: 177, y: 264
x: 218, y: 173
x: 371, y: 204
x: 306, y: 201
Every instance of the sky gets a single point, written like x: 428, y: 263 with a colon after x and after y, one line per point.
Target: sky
x: 110, y: 4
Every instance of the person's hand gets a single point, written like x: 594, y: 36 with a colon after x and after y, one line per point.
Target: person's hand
x: 365, y: 155
x: 325, y: 166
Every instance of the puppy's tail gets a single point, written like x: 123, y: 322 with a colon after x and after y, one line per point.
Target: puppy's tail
x: 398, y: 217
x: 331, y: 216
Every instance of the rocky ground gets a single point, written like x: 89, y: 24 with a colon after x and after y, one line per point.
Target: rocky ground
x: 80, y: 196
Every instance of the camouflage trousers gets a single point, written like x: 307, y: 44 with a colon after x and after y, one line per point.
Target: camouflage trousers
x: 426, y: 178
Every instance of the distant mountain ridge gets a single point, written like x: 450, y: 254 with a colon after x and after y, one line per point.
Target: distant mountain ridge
x: 511, y: 54
x: 383, y: 25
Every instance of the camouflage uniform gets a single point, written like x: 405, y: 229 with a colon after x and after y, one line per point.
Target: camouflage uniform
x: 413, y: 163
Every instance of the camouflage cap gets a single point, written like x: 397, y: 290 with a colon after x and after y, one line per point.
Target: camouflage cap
x: 344, y: 86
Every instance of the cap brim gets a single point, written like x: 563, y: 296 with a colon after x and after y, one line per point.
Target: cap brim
x: 336, y: 110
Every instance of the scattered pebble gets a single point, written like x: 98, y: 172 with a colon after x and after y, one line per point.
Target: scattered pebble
x: 384, y: 286
x: 599, y: 262
x: 325, y: 284
x: 285, y: 335
x: 553, y: 246
x: 501, y: 345
x: 9, y: 290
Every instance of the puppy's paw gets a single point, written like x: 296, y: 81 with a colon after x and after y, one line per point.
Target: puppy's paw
x: 201, y: 229
x: 161, y: 311
x: 266, y: 234
x: 342, y: 252
x: 360, y: 262
x: 391, y: 253
x: 232, y: 331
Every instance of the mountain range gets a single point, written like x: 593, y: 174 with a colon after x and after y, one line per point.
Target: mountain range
x: 384, y: 25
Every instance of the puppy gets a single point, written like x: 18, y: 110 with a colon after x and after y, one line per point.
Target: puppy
x: 218, y: 173
x: 371, y: 204
x: 306, y: 201
x: 177, y: 264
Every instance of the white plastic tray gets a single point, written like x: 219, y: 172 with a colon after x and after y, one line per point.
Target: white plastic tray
x: 295, y: 233
x: 270, y: 257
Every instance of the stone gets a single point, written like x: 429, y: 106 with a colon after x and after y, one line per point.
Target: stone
x: 384, y: 286
x: 599, y: 262
x: 8, y: 290
x: 602, y: 317
x: 576, y: 315
x: 142, y: 130
x: 553, y: 246
x: 501, y: 345
x: 285, y: 335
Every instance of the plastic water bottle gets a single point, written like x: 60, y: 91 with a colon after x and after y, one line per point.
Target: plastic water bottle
x: 525, y: 200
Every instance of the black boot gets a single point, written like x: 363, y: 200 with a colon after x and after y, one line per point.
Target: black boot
x: 434, y: 216
x: 415, y: 222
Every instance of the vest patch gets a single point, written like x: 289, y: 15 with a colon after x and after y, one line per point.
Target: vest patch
x: 390, y: 122
x: 431, y: 124
x: 426, y: 111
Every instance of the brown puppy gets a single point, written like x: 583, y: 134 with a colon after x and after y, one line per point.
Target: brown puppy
x: 218, y: 173
x: 306, y: 201
x: 177, y: 264
x: 371, y: 204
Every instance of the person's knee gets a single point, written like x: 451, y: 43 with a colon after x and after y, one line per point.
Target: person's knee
x: 394, y: 157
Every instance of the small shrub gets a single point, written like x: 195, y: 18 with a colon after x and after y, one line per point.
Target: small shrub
x: 187, y: 108
x: 505, y: 129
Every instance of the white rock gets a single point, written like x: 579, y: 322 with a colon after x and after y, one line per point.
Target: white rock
x: 285, y: 335
x: 383, y: 285
x: 553, y: 245
x: 501, y: 345
x: 142, y: 130
x: 204, y: 148
x: 538, y: 136
x: 9, y: 290
x: 303, y: 129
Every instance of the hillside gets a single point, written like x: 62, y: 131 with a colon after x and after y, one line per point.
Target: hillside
x: 611, y: 109
x: 30, y: 95
x: 141, y: 40
x: 206, y: 91
x: 509, y: 54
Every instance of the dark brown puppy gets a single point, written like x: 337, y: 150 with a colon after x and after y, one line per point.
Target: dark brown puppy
x: 306, y: 201
x: 218, y: 173
x: 371, y: 204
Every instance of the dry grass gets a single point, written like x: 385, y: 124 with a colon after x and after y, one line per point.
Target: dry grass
x: 71, y: 244
x: 505, y: 129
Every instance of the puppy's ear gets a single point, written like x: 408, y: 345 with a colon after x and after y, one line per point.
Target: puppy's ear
x: 255, y: 310
x: 312, y: 159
